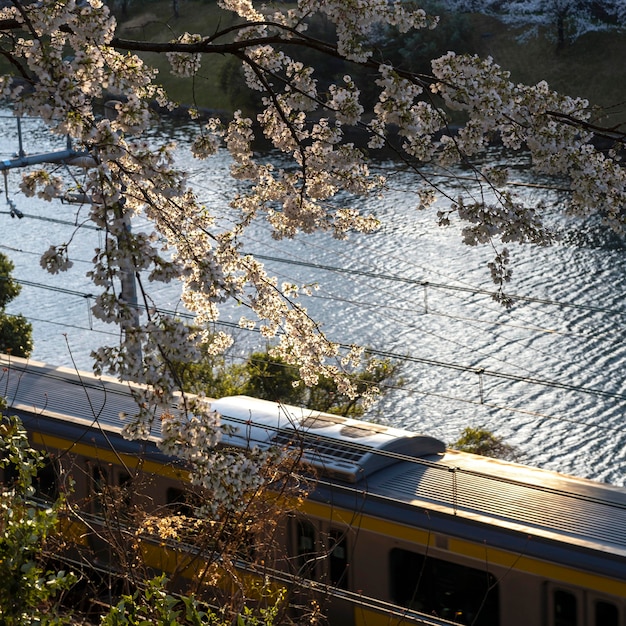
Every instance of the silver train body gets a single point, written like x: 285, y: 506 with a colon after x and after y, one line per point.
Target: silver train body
x: 413, y: 532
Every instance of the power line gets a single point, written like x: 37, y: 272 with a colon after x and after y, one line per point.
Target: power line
x: 399, y: 357
x: 403, y: 389
x: 429, y: 310
x: 425, y: 284
x: 499, y: 407
x: 394, y: 278
x: 70, y: 292
x: 437, y: 363
x: 73, y: 326
x: 478, y: 371
x: 87, y: 295
x: 54, y: 220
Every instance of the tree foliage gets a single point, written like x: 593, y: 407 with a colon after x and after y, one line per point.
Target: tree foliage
x: 154, y: 605
x: 484, y: 442
x: 9, y: 289
x: 15, y: 335
x: 34, y: 590
x: 415, y: 50
x: 15, y: 330
x: 29, y: 594
x: 271, y: 378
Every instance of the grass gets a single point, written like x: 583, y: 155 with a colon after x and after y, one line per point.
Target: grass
x: 155, y: 21
x: 591, y: 67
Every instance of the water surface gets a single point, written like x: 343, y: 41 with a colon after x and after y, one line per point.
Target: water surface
x: 553, y: 382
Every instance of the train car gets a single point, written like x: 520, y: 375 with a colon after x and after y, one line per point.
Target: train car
x: 408, y: 531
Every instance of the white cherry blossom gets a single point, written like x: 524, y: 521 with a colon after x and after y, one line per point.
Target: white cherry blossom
x: 68, y: 57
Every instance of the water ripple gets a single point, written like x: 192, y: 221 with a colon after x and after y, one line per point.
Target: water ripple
x: 567, y: 332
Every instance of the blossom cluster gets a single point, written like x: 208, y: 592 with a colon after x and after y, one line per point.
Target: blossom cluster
x: 550, y: 126
x: 184, y: 64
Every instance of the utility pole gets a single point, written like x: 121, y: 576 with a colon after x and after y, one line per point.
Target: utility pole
x: 127, y: 267
x: 72, y: 157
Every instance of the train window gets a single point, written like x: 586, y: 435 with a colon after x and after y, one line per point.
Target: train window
x: 565, y: 608
x: 46, y: 482
x: 605, y: 613
x: 306, y: 548
x: 338, y: 559
x: 464, y: 595
x: 99, y: 483
x: 178, y: 501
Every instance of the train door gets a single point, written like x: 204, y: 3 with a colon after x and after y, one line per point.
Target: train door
x: 321, y: 552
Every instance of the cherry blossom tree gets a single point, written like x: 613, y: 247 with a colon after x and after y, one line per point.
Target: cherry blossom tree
x: 565, y: 20
x: 67, y: 58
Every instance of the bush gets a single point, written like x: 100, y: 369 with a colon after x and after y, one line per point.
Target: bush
x: 484, y: 442
x: 28, y: 593
x: 16, y: 333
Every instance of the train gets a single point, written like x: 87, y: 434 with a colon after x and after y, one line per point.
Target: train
x: 410, y: 531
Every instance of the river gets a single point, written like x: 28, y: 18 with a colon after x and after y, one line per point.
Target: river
x: 553, y: 382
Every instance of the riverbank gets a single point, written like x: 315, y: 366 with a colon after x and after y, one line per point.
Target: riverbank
x: 590, y: 67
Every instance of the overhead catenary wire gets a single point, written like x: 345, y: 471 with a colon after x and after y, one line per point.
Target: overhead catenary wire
x: 428, y: 283
x: 401, y: 388
x: 411, y: 390
x: 422, y: 392
x: 418, y: 282
x: 384, y: 276
x: 514, y: 319
x: 387, y: 277
x: 432, y: 311
x: 365, y: 273
x: 395, y: 356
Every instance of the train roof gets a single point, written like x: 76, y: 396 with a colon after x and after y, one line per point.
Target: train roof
x: 531, y: 501
x: 335, y: 446
x: 65, y: 394
x: 400, y: 469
